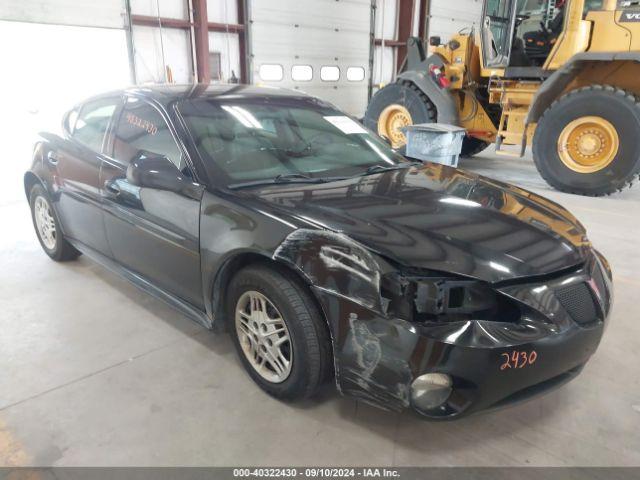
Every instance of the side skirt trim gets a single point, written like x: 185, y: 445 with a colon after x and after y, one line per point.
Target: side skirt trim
x: 193, y: 313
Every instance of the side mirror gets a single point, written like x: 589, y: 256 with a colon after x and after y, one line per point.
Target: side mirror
x: 435, y: 41
x: 150, y: 170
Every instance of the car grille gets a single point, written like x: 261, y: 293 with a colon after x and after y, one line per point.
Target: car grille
x: 578, y: 301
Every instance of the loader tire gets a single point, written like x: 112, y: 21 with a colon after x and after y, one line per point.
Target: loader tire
x: 472, y: 146
x: 398, y: 105
x: 588, y: 141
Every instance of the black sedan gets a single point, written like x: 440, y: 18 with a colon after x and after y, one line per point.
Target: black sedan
x: 276, y: 217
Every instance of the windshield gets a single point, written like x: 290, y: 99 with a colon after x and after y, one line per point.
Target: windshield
x: 249, y: 140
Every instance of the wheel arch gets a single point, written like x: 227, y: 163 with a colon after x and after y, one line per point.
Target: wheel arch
x: 443, y: 101
x: 38, y: 172
x: 236, y: 262
x: 31, y: 179
x: 616, y: 69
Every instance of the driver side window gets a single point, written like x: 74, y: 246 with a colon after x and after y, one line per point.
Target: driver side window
x: 140, y: 129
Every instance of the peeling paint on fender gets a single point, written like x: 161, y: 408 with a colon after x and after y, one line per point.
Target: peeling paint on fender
x: 346, y: 268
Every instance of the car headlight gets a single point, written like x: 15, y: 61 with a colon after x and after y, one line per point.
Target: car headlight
x: 441, y: 299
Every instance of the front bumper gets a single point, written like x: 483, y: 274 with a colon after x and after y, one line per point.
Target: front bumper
x: 491, y: 363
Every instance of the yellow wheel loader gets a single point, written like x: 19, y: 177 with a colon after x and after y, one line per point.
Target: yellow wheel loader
x: 562, y: 77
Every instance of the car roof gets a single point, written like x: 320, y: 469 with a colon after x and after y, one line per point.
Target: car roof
x: 169, y: 93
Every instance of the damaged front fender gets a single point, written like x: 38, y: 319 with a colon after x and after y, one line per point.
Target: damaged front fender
x: 334, y: 263
x: 346, y: 278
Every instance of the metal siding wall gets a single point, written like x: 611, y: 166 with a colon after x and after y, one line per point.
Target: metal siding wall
x: 152, y: 53
x: 384, y: 63
x: 222, y: 11
x: 168, y: 8
x: 228, y: 45
x: 449, y: 17
x: 316, y: 33
x: 103, y: 13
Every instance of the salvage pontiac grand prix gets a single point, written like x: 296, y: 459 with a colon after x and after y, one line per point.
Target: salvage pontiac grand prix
x: 324, y: 253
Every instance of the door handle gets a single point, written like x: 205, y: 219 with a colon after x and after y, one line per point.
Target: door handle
x: 53, y: 158
x: 112, y: 188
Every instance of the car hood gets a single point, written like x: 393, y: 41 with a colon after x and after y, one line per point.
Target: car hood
x: 441, y: 218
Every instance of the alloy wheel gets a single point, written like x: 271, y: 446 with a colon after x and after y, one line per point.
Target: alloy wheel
x: 45, y: 222
x: 263, y: 336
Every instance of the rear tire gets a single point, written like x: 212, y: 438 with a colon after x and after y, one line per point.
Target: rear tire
x: 406, y: 95
x: 47, y: 226
x: 472, y: 146
x: 308, y: 348
x: 598, y: 158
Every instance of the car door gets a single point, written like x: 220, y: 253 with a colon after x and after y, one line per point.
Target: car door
x: 77, y: 164
x: 151, y: 231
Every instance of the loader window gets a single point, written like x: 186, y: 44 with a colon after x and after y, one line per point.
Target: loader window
x: 538, y: 23
x: 590, y: 5
x: 496, y: 32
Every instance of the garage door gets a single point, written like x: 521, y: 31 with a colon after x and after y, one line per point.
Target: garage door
x: 106, y: 13
x: 447, y: 18
x: 319, y: 46
x: 54, y: 54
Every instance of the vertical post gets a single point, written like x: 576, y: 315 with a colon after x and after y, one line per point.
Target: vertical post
x: 372, y: 47
x: 164, y: 63
x: 201, y: 40
x: 405, y: 26
x: 242, y: 41
x: 382, y: 34
x: 423, y: 19
x: 130, y: 46
x: 192, y: 36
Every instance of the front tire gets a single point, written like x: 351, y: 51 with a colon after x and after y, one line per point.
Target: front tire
x: 279, y: 333
x: 47, y: 226
x: 588, y: 141
x: 396, y: 106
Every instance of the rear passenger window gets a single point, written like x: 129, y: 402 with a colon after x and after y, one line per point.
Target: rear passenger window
x: 142, y: 130
x: 92, y: 122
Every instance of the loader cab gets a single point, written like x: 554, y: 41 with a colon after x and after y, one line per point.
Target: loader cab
x: 520, y: 33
